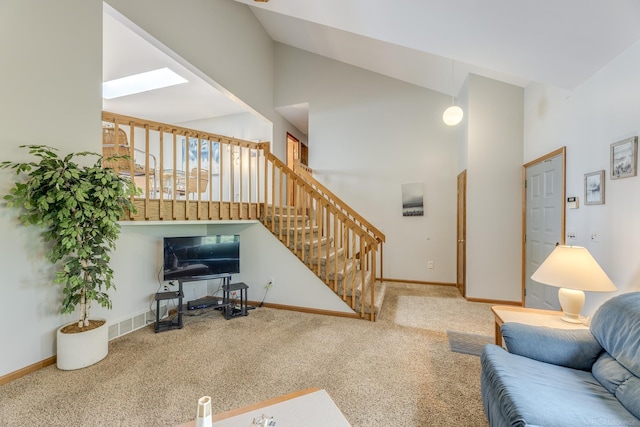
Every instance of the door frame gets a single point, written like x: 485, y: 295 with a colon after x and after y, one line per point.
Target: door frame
x: 293, y: 155
x: 461, y: 235
x: 562, y: 152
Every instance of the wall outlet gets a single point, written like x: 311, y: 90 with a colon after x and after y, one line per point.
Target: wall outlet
x: 430, y: 265
x: 269, y: 282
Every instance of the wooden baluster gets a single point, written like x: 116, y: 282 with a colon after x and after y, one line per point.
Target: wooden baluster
x: 280, y: 205
x: 273, y: 197
x: 221, y: 182
x: 362, y: 277
x: 372, y: 279
x: 313, y: 246
x: 336, y: 255
x: 146, y: 171
x: 296, y: 215
x: 287, y: 184
x: 232, y: 173
x: 320, y: 213
x: 353, y: 267
x: 195, y: 178
x: 174, y: 195
x: 160, y: 172
x: 241, y: 154
x: 250, y: 205
x: 187, y: 178
x: 212, y: 144
x: 345, y: 259
x: 305, y: 218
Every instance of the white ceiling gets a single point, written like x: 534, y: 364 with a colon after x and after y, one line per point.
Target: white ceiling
x: 556, y: 42
x: 127, y: 52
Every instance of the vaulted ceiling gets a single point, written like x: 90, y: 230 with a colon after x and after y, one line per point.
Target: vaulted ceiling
x: 556, y: 42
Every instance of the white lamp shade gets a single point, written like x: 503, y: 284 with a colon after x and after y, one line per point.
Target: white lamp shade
x: 452, y: 115
x: 573, y: 267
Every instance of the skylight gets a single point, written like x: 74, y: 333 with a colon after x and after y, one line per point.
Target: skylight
x: 142, y: 82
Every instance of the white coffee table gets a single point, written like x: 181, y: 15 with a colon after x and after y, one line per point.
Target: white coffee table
x: 310, y: 407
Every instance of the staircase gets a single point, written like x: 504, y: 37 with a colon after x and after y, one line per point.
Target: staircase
x: 347, y: 275
x: 245, y: 181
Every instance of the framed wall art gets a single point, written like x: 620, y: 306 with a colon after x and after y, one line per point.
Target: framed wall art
x: 413, y: 199
x: 594, y: 188
x: 624, y: 158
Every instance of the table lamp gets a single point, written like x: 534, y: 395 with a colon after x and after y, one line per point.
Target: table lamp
x: 573, y: 270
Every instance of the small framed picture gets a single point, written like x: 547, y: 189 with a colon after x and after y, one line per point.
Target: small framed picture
x: 594, y: 188
x: 624, y: 158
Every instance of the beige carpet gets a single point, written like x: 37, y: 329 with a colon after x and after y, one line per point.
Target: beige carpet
x: 394, y: 372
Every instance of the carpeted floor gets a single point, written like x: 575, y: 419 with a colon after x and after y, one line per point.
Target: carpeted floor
x: 398, y: 371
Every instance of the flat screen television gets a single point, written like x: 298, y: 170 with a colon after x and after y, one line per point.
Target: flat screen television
x: 200, y: 256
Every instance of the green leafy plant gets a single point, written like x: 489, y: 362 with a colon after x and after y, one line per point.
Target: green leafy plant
x: 78, y: 208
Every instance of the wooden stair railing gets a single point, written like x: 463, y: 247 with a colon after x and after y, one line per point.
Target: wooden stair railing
x: 306, y: 173
x: 176, y: 190
x: 323, y: 235
x: 245, y: 181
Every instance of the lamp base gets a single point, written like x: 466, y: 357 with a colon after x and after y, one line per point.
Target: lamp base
x: 571, y: 302
x: 572, y: 319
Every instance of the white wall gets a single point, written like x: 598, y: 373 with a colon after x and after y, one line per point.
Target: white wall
x: 263, y: 257
x: 368, y: 135
x: 138, y: 276
x: 225, y: 41
x: 603, y: 110
x: 51, y: 93
x: 494, y: 132
x: 241, y: 126
x: 50, y: 86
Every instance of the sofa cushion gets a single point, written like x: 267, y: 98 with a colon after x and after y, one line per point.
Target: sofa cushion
x: 533, y: 393
x: 619, y: 381
x: 616, y: 326
x: 576, y: 348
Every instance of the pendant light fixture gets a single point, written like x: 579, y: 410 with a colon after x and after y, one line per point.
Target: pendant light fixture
x: 452, y: 115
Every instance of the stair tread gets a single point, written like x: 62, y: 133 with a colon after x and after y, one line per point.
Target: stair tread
x: 348, y: 290
x: 380, y: 289
x: 342, y: 275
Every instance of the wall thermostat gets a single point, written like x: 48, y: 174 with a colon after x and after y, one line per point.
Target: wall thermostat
x: 572, y: 202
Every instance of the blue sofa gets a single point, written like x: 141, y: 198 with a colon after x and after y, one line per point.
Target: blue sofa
x: 554, y: 377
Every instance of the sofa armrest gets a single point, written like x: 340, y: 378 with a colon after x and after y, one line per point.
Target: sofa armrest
x: 572, y: 348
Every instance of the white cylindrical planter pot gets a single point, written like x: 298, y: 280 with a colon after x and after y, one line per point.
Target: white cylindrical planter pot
x: 75, y: 351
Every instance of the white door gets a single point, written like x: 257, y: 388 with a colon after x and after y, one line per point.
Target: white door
x: 544, y: 219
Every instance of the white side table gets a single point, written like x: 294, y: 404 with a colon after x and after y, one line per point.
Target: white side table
x: 530, y: 316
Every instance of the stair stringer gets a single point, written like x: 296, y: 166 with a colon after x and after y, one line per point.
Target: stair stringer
x: 295, y: 285
x: 344, y: 280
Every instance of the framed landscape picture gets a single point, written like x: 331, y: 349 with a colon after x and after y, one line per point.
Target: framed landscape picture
x: 624, y: 158
x: 413, y: 199
x: 594, y: 188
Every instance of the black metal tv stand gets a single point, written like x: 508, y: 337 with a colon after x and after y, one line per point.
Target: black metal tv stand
x: 166, y: 325
x: 231, y: 309
x: 234, y: 309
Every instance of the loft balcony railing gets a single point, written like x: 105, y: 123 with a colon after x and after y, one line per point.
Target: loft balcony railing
x: 186, y: 174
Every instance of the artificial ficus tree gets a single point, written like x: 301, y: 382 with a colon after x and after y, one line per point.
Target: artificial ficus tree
x: 78, y: 208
